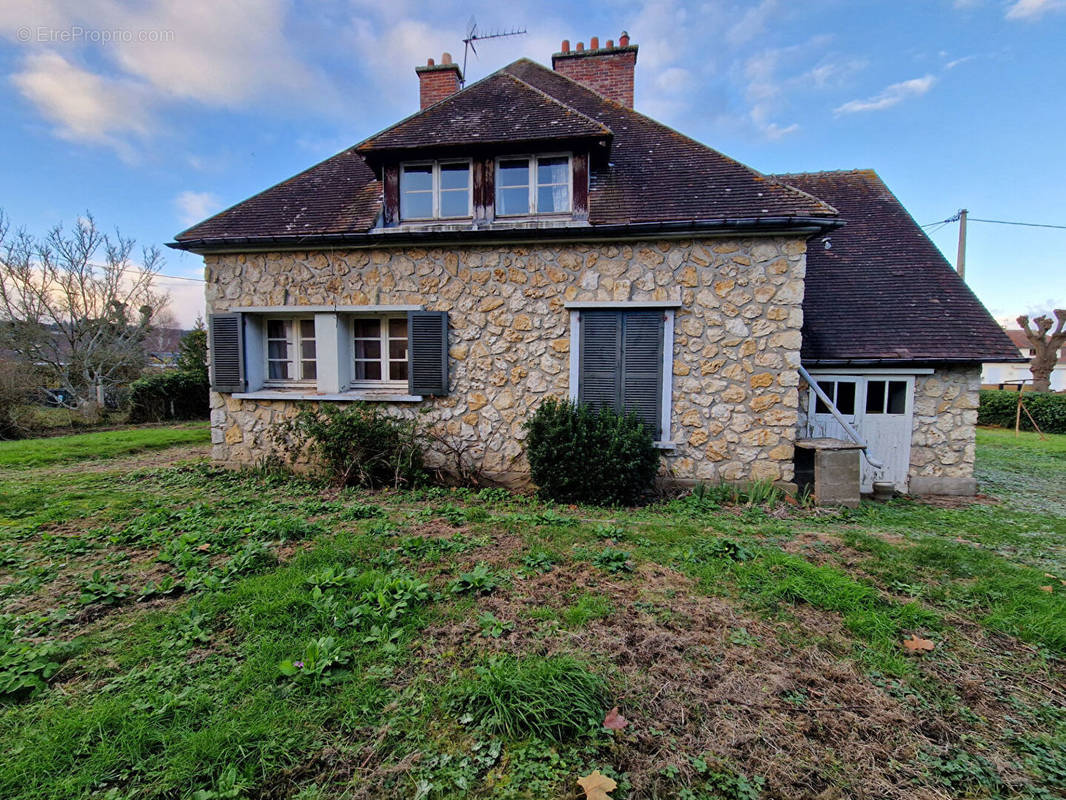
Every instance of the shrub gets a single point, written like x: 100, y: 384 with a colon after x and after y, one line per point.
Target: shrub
x: 168, y: 395
x: 556, y: 698
x: 357, y: 446
x: 19, y: 388
x: 1000, y: 407
x: 577, y: 455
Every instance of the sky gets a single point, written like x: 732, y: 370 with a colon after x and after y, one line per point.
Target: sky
x: 153, y: 115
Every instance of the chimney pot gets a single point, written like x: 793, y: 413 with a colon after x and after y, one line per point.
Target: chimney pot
x: 594, y: 43
x: 430, y: 62
x: 446, y: 58
x: 581, y: 47
x: 623, y: 40
x: 565, y: 48
x: 610, y: 44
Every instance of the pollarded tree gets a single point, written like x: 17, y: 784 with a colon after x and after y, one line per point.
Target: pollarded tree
x: 81, y: 321
x: 1046, y: 337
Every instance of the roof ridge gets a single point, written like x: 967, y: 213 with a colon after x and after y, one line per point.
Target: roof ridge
x: 553, y: 99
x: 854, y: 171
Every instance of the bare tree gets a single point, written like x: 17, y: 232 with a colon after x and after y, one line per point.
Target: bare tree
x: 1045, y: 343
x: 82, y: 322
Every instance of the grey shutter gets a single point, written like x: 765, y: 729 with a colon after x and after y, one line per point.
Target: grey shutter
x: 599, y: 381
x: 642, y: 366
x: 427, y: 349
x: 226, y: 341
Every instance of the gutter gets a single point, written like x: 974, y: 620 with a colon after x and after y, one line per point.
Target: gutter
x: 619, y: 232
x: 904, y: 362
x: 847, y: 426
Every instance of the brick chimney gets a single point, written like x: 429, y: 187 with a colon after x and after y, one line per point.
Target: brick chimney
x: 605, y: 70
x: 438, y: 81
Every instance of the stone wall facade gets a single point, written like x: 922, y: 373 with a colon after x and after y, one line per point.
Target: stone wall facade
x: 735, y: 349
x: 945, y: 430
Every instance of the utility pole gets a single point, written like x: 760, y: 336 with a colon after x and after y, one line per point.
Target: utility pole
x: 960, y: 263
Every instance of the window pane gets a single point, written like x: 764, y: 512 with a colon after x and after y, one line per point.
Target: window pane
x: 513, y: 173
x: 417, y: 178
x: 276, y: 329
x: 309, y: 370
x: 367, y: 329
x: 307, y: 349
x: 398, y: 370
x: 454, y: 176
x: 512, y: 201
x: 820, y: 407
x: 875, y: 397
x: 398, y: 349
x: 553, y: 199
x: 368, y: 348
x: 552, y: 170
x: 455, y: 204
x: 279, y: 370
x: 416, y: 205
x: 277, y: 348
x: 897, y: 397
x: 845, y: 401
x: 368, y: 370
x: 398, y: 328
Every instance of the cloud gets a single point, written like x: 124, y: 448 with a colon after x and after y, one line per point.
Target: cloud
x: 82, y: 105
x: 1033, y: 9
x: 196, y: 206
x: 889, y: 96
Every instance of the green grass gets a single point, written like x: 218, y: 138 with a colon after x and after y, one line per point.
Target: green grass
x: 100, y: 445
x: 384, y: 600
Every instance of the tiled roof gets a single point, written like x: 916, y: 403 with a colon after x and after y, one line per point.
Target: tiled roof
x: 500, y: 108
x: 882, y: 290
x: 654, y: 174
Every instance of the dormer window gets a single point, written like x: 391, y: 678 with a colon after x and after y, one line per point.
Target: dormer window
x: 533, y: 185
x: 436, y: 190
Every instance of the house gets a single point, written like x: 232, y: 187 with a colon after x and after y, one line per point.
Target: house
x: 533, y: 235
x: 1008, y: 374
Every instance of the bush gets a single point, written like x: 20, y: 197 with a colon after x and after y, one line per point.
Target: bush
x: 999, y: 407
x: 19, y: 388
x: 577, y: 455
x: 357, y: 446
x: 167, y: 396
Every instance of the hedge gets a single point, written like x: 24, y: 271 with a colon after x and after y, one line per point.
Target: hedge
x: 999, y: 407
x: 167, y: 396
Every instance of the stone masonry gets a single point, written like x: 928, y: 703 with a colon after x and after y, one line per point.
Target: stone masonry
x: 735, y: 349
x: 943, y: 439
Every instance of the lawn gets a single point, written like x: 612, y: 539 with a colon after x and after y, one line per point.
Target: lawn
x: 173, y: 630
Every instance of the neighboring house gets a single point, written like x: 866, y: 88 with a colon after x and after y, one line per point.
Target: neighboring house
x: 532, y: 235
x: 1009, y: 374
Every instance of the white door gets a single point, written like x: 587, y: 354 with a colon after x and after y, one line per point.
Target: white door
x: 880, y: 408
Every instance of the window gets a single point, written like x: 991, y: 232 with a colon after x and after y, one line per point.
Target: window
x: 380, y: 348
x: 621, y: 363
x: 291, y: 351
x: 886, y: 397
x: 435, y: 190
x: 842, y: 393
x: 533, y: 185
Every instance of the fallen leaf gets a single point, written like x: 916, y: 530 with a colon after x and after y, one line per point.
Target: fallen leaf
x: 1049, y: 575
x: 204, y: 546
x: 614, y: 721
x: 1047, y: 589
x: 916, y: 645
x: 596, y: 786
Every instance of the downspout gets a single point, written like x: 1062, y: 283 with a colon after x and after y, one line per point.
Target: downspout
x: 854, y: 434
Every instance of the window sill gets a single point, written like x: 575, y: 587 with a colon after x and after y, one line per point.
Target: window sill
x: 665, y: 445
x: 369, y: 395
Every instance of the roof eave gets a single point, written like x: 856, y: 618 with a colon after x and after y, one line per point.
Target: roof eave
x: 796, y: 225
x: 911, y: 360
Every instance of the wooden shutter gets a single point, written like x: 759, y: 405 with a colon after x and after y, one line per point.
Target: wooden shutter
x: 599, y: 382
x: 226, y: 337
x: 427, y: 349
x: 642, y: 366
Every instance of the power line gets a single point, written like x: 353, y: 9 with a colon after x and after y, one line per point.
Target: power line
x: 955, y: 218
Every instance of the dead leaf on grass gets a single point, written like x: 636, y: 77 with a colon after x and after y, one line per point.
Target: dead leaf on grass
x: 597, y: 785
x: 614, y: 721
x: 1047, y: 589
x: 204, y: 547
x: 915, y: 644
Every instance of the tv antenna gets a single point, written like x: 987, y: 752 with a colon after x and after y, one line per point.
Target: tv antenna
x: 474, y: 35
